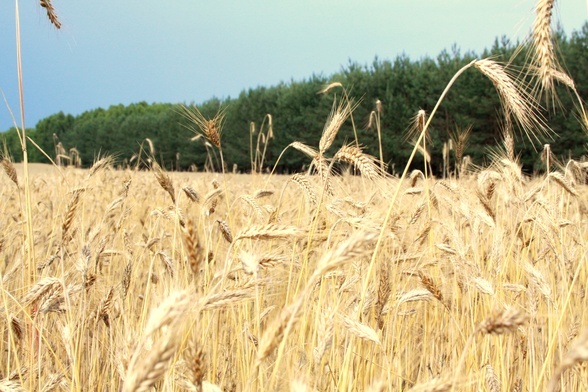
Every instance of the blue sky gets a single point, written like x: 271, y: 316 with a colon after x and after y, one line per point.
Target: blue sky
x: 124, y: 51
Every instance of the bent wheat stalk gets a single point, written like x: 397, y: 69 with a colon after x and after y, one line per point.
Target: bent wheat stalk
x: 515, y: 100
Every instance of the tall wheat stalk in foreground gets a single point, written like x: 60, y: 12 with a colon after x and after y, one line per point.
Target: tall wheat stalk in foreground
x: 21, y: 132
x: 23, y: 139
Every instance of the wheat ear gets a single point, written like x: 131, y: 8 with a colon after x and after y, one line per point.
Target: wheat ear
x: 211, y: 128
x: 51, y: 13
x: 515, y: 100
x: 164, y: 181
x: 9, y: 170
x: 578, y: 353
x: 365, y: 163
x: 146, y: 368
x: 337, y: 117
x: 70, y: 214
x: 544, y: 51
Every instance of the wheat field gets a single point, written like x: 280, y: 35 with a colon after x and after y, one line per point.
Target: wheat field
x: 178, y: 281
x: 338, y: 278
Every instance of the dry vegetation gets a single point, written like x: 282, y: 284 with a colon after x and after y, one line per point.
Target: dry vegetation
x: 249, y: 282
x: 148, y: 280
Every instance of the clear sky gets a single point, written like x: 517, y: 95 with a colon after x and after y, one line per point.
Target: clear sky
x: 124, y: 51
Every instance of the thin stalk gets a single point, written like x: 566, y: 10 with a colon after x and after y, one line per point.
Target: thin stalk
x: 562, y: 314
x: 352, y: 120
x: 31, y: 266
x: 251, y: 132
x: 268, y: 136
x: 378, y: 127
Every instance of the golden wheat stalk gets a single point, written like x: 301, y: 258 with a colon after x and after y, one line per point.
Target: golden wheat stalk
x: 270, y: 231
x: 324, y: 171
x: 492, y: 381
x: 431, y: 286
x: 194, y: 250
x: 413, y: 296
x: 365, y: 163
x: 11, y: 386
x: 51, y: 13
x: 329, y: 87
x: 196, y: 364
x: 544, y: 58
x: 508, y: 319
x: 488, y: 207
x: 273, y: 335
x: 55, y: 381
x: 417, y: 125
x: 254, y: 205
x: 360, y: 330
x: 211, y: 199
x: 515, y: 100
x: 192, y: 194
x: 384, y: 291
x: 543, y: 48
x: 508, y: 141
x: 562, y: 181
x: 326, y: 329
x: 126, y: 280
x: 210, y: 128
x: 99, y: 165
x: 41, y: 289
x: 164, y: 181
x: 225, y: 230
x: 249, y: 262
x: 147, y: 367
x: 220, y: 300
x: 338, y: 115
x: 303, y: 148
x: 353, y: 247
x: 167, y: 263
x: 578, y: 353
x: 414, y: 176
x: 538, y: 280
x: 304, y: 184
x: 459, y: 139
x: 9, y: 170
x: 104, y: 308
x: 502, y: 321
x: 70, y: 214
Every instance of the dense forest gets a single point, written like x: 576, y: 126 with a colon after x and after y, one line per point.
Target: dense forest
x: 273, y: 117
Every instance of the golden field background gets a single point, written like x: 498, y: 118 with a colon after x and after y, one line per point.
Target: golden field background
x: 259, y: 282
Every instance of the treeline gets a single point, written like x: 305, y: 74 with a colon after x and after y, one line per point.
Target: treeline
x: 297, y: 112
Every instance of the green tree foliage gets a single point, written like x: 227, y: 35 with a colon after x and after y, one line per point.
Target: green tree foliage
x: 299, y: 112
